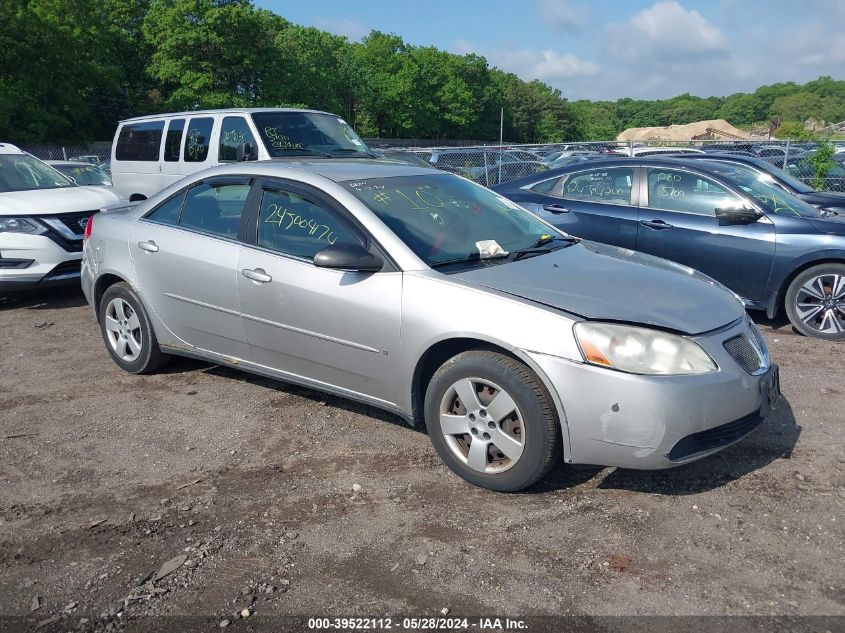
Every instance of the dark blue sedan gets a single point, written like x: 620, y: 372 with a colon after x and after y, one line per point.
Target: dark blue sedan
x: 772, y: 249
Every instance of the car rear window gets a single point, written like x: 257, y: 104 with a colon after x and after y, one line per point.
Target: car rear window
x: 139, y: 141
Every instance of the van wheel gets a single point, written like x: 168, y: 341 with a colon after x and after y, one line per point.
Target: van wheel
x: 492, y: 421
x: 815, y: 302
x: 127, y: 331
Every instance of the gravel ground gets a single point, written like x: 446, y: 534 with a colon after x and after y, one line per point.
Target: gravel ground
x: 286, y: 501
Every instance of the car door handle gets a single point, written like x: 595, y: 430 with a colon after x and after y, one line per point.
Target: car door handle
x: 149, y: 246
x: 257, y: 274
x: 657, y: 225
x: 555, y: 208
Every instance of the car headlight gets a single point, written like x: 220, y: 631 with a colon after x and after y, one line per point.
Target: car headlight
x: 21, y: 225
x: 641, y: 350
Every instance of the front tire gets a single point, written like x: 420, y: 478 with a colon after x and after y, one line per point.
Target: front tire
x: 815, y: 302
x: 127, y: 331
x: 492, y: 421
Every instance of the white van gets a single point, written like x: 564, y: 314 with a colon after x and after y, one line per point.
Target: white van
x: 151, y: 152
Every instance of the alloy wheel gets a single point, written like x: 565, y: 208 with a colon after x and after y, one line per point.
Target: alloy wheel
x: 482, y: 425
x: 123, y: 329
x: 820, y: 303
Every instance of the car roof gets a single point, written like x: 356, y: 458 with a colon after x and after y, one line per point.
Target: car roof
x: 166, y: 115
x: 8, y: 148
x: 725, y: 157
x: 337, y: 170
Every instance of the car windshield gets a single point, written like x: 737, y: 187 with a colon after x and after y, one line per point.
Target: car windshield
x: 789, y: 179
x: 302, y: 133
x: 771, y: 197
x: 21, y: 172
x: 444, y: 218
x: 85, y: 174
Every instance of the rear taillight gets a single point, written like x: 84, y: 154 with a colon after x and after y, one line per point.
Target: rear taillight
x: 88, y: 226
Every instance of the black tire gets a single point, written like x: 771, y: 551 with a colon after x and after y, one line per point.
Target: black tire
x: 541, y: 440
x: 835, y: 308
x: 150, y: 357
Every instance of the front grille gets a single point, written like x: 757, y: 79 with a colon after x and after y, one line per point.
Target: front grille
x: 743, y: 351
x: 75, y: 221
x: 73, y: 266
x: 716, y: 437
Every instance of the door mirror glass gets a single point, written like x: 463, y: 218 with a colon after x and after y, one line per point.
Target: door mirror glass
x: 348, y: 256
x: 731, y: 217
x: 246, y: 151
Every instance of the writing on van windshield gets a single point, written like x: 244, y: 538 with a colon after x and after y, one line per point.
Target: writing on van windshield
x: 279, y: 140
x: 282, y: 216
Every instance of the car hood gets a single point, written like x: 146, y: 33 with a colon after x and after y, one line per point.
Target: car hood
x: 51, y: 201
x: 825, y: 199
x: 598, y: 281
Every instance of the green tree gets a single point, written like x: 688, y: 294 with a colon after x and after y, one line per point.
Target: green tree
x: 212, y: 53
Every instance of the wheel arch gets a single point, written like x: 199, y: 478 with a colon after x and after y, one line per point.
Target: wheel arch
x: 103, y: 283
x: 137, y: 197
x: 441, y: 351
x: 780, y: 302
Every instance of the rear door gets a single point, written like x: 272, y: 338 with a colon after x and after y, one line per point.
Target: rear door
x: 678, y: 222
x: 597, y: 204
x: 185, y: 253
x: 330, y: 326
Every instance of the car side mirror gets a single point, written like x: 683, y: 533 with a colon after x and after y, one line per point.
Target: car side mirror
x: 348, y: 256
x: 733, y: 217
x: 245, y: 151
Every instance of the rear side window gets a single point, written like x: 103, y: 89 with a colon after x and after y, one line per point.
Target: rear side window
x: 199, y: 137
x: 215, y: 208
x: 168, y: 211
x: 233, y: 133
x: 607, y: 186
x: 294, y: 225
x: 173, y: 140
x: 139, y: 141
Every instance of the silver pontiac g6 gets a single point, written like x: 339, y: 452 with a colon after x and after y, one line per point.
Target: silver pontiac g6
x: 425, y: 294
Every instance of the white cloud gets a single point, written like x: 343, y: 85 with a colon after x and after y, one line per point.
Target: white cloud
x: 339, y: 26
x: 563, y: 15
x: 546, y: 65
x: 667, y: 28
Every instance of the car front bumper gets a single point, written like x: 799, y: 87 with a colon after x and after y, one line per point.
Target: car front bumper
x: 35, y: 261
x: 651, y: 422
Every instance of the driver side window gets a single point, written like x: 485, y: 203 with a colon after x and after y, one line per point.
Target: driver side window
x: 674, y: 190
x: 295, y: 225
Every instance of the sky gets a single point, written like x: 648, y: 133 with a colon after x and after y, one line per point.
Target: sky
x: 609, y: 49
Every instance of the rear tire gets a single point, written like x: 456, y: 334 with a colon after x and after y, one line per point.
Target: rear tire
x: 127, y: 331
x: 815, y: 302
x: 492, y: 421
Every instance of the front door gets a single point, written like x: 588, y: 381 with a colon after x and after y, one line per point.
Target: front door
x: 333, y: 327
x: 678, y: 222
x: 185, y: 253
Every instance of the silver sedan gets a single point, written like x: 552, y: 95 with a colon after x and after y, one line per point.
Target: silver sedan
x: 425, y: 294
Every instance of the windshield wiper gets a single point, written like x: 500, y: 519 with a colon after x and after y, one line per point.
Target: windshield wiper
x: 311, y: 152
x: 543, y: 245
x: 349, y: 150
x: 466, y: 259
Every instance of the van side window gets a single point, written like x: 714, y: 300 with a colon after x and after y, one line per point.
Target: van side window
x: 199, y: 136
x: 233, y: 133
x: 139, y: 141
x: 173, y: 140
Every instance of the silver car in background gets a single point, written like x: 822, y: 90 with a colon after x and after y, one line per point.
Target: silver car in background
x: 427, y: 295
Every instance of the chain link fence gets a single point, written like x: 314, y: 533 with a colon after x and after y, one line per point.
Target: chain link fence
x: 493, y: 164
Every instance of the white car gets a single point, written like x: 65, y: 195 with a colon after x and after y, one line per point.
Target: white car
x: 43, y: 215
